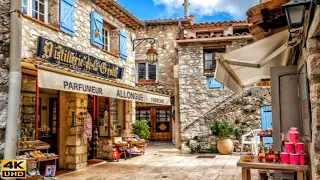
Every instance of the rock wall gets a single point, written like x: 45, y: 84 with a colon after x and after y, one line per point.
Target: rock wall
x: 200, y: 106
x: 4, y: 67
x: 165, y: 36
x: 241, y: 111
x: 73, y: 148
x: 312, y: 55
x: 81, y: 39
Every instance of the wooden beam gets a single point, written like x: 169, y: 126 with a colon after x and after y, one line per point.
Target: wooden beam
x: 274, y: 4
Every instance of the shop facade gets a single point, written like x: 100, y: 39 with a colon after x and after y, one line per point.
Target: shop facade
x: 78, y: 78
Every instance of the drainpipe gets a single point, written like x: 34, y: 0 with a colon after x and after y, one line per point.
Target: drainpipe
x: 10, y: 148
x: 186, y: 9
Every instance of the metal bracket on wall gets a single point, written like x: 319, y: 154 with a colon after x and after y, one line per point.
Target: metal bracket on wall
x: 150, y: 40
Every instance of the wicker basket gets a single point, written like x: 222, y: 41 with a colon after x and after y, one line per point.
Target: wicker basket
x: 53, y: 157
x: 31, y: 159
x: 41, y: 158
x: 142, y: 147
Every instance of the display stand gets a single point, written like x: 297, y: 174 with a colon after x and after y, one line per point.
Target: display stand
x: 37, y: 160
x: 134, y: 143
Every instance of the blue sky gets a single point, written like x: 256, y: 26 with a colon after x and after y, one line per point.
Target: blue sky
x: 203, y: 10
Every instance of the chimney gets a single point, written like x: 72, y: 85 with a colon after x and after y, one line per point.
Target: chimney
x: 186, y: 8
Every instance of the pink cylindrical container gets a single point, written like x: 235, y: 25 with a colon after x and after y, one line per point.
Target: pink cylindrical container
x: 293, y: 135
x: 294, y: 159
x: 289, y: 147
x: 299, y: 148
x: 285, y: 158
x: 302, y: 158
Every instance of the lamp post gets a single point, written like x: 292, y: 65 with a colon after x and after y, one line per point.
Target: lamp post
x: 152, y: 54
x: 295, y: 12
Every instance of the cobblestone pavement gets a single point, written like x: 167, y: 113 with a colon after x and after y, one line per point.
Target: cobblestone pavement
x: 163, y: 161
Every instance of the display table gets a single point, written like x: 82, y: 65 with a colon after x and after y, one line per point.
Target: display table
x: 247, y: 166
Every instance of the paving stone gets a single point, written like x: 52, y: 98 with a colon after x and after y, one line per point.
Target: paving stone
x: 163, y: 162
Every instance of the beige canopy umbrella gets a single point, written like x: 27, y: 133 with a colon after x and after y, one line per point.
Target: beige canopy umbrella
x: 250, y: 64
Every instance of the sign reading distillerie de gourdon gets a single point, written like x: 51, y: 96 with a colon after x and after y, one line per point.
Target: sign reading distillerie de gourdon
x: 65, y: 56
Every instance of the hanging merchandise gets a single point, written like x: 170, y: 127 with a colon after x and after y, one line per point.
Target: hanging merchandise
x: 88, y: 126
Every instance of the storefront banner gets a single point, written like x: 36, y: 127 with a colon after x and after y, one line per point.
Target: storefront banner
x: 51, y: 80
x: 64, y: 56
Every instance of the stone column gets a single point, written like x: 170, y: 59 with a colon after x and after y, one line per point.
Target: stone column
x: 313, y: 59
x: 4, y: 67
x: 73, y: 148
x: 177, y: 107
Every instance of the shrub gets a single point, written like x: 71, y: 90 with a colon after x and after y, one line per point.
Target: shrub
x: 142, y: 129
x: 222, y: 129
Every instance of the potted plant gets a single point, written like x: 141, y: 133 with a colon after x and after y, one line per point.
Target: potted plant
x: 223, y: 131
x: 142, y: 129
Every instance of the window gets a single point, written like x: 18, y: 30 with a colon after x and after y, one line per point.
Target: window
x: 203, y: 34
x: 105, y: 39
x: 210, y: 58
x: 37, y: 9
x: 147, y: 72
x: 143, y: 114
x: 212, y: 83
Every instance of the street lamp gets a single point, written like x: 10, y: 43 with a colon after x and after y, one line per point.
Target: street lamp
x: 152, y: 54
x: 295, y: 12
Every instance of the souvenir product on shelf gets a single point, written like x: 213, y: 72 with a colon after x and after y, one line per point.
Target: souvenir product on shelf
x: 50, y: 171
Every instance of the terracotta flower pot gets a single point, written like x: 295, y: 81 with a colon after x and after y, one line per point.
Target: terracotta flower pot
x: 225, y: 146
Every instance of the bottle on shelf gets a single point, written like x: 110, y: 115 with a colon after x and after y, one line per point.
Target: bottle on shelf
x: 261, y: 154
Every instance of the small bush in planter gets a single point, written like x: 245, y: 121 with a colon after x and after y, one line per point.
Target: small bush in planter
x: 142, y: 129
x: 222, y: 129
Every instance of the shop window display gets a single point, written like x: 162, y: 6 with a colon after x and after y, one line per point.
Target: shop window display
x: 38, y: 122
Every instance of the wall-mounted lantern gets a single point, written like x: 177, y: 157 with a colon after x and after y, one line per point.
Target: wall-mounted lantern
x: 152, y: 54
x: 295, y: 12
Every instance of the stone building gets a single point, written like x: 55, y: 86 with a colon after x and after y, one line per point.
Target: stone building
x: 78, y: 77
x: 203, y: 100
x: 4, y: 67
x: 294, y: 83
x: 193, y: 49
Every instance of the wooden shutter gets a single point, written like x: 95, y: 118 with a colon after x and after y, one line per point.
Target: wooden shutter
x: 67, y: 16
x: 123, y: 44
x: 212, y: 83
x: 266, y: 123
x: 96, y: 29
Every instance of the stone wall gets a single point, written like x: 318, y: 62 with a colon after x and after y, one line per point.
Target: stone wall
x: 312, y: 55
x: 241, y: 111
x: 4, y: 67
x: 73, y: 148
x: 200, y: 106
x: 165, y: 36
x: 81, y: 39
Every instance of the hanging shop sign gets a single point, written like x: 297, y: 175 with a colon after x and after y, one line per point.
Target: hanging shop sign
x: 65, y: 56
x: 51, y: 80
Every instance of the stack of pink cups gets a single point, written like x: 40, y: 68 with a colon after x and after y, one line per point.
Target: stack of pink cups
x: 294, y: 151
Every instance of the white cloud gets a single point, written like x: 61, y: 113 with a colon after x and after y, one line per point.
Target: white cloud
x: 236, y: 8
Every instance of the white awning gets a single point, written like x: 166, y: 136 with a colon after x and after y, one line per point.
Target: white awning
x: 52, y: 80
x: 250, y: 64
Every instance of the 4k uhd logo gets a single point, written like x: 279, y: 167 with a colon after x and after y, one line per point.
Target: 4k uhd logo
x: 13, y: 168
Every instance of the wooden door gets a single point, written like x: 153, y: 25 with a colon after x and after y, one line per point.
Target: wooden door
x: 162, y: 123
x: 159, y: 120
x: 285, y: 106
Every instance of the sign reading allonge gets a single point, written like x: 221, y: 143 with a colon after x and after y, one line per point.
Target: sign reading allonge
x: 51, y: 80
x: 65, y: 56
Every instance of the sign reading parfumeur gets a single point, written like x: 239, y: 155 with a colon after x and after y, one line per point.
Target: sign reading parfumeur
x: 13, y: 168
x: 51, y: 80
